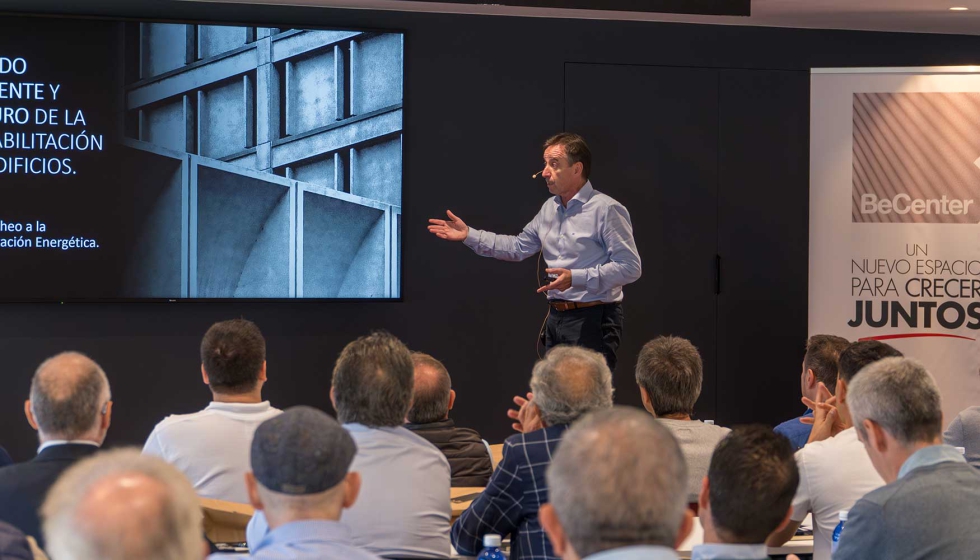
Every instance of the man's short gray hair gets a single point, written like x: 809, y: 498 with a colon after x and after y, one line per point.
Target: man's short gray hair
x: 618, y: 479
x: 167, y: 525
x: 373, y: 381
x: 68, y: 393
x: 569, y: 382
x: 430, y: 401
x: 669, y: 368
x: 899, y: 395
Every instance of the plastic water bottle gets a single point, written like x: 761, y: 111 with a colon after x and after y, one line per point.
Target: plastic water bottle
x: 837, y: 530
x: 491, y: 548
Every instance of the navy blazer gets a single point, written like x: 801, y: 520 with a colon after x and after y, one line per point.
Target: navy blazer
x: 24, y: 486
x: 5, y: 458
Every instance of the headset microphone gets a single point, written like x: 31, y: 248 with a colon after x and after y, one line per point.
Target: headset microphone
x: 535, y: 176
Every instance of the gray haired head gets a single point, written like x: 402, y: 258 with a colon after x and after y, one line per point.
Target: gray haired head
x: 373, y: 381
x: 69, y: 392
x: 669, y: 369
x: 899, y: 395
x: 618, y: 479
x: 301, y: 451
x: 430, y: 402
x: 569, y: 382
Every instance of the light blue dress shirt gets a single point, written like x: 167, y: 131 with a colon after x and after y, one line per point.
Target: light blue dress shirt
x: 640, y: 552
x: 403, y: 510
x: 592, y: 237
x: 307, y: 540
x: 932, y: 455
x: 718, y: 551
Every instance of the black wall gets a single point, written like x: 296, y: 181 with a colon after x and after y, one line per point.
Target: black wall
x: 481, y: 94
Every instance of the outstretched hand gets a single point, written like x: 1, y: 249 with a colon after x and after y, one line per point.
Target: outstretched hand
x: 452, y: 229
x: 528, y: 417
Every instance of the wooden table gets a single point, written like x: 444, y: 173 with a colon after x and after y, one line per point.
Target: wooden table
x: 460, y: 498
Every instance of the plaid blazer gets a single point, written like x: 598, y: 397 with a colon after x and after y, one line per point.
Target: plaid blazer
x: 509, y: 505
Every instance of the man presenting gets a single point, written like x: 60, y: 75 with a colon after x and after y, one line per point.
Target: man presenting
x: 586, y: 239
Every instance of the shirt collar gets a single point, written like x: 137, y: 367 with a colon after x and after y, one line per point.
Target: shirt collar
x: 928, y: 456
x: 323, y: 530
x: 729, y: 551
x: 248, y: 408
x: 582, y: 196
x: 647, y: 552
x: 54, y: 442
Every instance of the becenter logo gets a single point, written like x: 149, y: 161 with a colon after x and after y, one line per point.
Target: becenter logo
x: 904, y: 204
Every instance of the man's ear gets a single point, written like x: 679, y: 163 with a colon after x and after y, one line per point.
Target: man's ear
x: 876, y: 436
x: 552, y: 526
x: 703, y: 496
x: 687, y: 525
x: 578, y: 168
x: 810, y: 379
x: 30, y: 414
x: 333, y: 399
x: 253, y: 491
x: 452, y: 398
x: 841, y: 392
x: 647, y: 403
x: 352, y: 488
x: 106, y: 416
x: 204, y: 376
x: 262, y: 373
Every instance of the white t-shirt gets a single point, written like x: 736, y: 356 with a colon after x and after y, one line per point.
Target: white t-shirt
x: 211, y: 447
x: 834, y: 474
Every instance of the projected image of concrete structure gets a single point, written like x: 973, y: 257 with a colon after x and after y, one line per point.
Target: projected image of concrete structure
x: 270, y: 159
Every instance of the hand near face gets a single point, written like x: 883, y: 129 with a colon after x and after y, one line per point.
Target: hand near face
x: 452, y: 229
x: 528, y: 416
x: 826, y: 419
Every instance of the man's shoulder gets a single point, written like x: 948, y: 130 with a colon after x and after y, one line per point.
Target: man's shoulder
x: 969, y: 417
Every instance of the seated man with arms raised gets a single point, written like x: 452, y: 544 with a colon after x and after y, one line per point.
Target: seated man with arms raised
x: 569, y: 382
x: 434, y: 397
x: 819, y: 366
x: 669, y: 373
x: 747, y: 494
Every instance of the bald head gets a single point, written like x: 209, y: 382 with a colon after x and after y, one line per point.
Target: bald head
x: 617, y: 480
x: 569, y: 382
x: 68, y: 396
x: 432, y: 392
x: 119, y: 505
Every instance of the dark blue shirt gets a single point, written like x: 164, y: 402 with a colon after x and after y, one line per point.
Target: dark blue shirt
x: 5, y: 458
x: 795, y: 431
x: 509, y: 505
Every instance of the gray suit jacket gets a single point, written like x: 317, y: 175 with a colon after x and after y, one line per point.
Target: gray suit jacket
x: 964, y: 431
x: 930, y: 513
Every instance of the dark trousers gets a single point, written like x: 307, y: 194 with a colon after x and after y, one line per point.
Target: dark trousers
x: 598, y: 328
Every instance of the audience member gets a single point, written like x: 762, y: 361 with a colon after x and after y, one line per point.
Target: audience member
x: 301, y: 480
x: 836, y: 471
x: 617, y: 487
x: 569, y: 382
x: 964, y: 431
x: 5, y: 458
x: 433, y: 398
x: 930, y: 505
x: 819, y: 366
x: 211, y: 446
x: 747, y: 494
x: 70, y: 406
x: 669, y: 372
x: 120, y: 505
x: 14, y: 544
x: 404, y: 509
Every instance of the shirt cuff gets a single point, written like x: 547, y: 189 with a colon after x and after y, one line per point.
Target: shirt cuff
x: 472, y: 238
x: 579, y: 278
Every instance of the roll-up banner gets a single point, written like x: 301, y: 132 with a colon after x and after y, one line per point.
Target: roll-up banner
x: 894, y: 214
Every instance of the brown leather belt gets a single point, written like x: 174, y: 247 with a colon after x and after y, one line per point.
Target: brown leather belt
x: 569, y: 305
